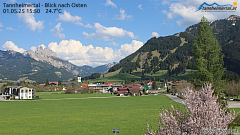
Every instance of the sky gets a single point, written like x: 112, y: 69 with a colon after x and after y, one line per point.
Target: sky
x: 103, y: 32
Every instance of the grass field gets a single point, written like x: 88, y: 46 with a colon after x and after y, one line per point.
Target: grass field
x: 81, y: 116
x: 58, y: 95
x: 69, y: 114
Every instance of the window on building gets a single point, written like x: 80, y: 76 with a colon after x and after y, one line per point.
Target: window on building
x: 29, y: 96
x: 30, y: 90
x: 21, y: 91
x: 26, y: 91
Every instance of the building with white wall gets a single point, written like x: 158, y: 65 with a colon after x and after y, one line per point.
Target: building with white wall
x: 18, y: 92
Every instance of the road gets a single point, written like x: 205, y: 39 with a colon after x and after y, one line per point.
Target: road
x: 231, y: 104
x: 175, y: 98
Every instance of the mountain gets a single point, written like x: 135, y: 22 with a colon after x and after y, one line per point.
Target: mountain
x: 42, y: 64
x: 46, y: 55
x: 174, y: 52
x: 15, y: 66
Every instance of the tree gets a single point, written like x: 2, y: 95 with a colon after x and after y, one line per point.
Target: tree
x: 47, y: 82
x: 202, y: 113
x: 233, y: 89
x: 59, y: 82
x: 154, y: 85
x: 207, y: 54
x: 236, y: 78
x: 126, y: 81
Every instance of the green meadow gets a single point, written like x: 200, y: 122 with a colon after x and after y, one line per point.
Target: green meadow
x: 77, y: 114
x: 91, y: 114
x: 121, y: 77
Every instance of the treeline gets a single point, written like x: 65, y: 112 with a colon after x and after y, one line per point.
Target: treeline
x: 93, y: 76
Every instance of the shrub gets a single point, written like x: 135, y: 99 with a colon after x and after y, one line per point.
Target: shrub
x: 202, y: 113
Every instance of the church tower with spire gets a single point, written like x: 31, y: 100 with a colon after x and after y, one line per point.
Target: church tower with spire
x: 79, y: 78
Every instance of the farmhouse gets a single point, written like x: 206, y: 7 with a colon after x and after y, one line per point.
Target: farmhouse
x: 18, y: 92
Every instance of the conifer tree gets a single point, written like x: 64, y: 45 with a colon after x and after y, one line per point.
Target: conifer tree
x: 207, y: 52
x: 47, y: 82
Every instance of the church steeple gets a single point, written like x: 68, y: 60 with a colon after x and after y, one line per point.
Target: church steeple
x: 79, y: 78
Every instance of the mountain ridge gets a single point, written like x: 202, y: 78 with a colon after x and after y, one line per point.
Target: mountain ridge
x: 44, y: 54
x: 174, y: 52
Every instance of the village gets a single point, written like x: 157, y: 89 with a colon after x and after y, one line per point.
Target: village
x: 23, y: 92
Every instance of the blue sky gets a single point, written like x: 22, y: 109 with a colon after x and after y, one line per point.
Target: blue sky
x: 103, y: 32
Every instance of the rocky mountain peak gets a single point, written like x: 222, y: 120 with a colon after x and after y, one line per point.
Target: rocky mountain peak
x: 42, y: 50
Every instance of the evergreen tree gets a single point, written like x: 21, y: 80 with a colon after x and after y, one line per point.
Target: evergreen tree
x: 207, y: 53
x: 236, y: 78
x: 47, y: 82
x: 60, y: 82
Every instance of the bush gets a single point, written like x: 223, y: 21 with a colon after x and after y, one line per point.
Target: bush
x: 237, y: 120
x: 202, y: 112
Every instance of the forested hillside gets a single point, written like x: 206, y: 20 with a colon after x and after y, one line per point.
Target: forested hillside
x: 174, y: 53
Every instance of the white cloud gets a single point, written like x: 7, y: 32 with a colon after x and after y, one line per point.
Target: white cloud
x: 84, y: 25
x: 108, y: 33
x: 10, y: 28
x: 79, y: 54
x: 30, y: 20
x: 123, y: 15
x: 155, y: 34
x: 9, y: 45
x: 110, y: 3
x: 187, y: 10
x: 127, y: 49
x: 67, y: 17
x: 56, y: 31
x: 140, y: 7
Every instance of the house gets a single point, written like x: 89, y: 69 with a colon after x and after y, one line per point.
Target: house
x: 99, y: 87
x: 84, y: 85
x: 134, y: 89
x: 145, y: 87
x: 124, y: 91
x: 18, y: 92
x: 116, y: 87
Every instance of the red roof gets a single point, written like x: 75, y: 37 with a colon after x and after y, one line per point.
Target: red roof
x: 124, y: 88
x: 43, y: 84
x: 55, y: 83
x: 85, y: 85
x: 122, y: 91
x: 108, y: 82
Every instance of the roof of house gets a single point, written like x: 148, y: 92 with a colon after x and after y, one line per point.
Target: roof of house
x: 134, y: 88
x: 121, y: 91
x: 124, y: 88
x: 146, y: 86
x: 53, y: 83
x: 85, y: 85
